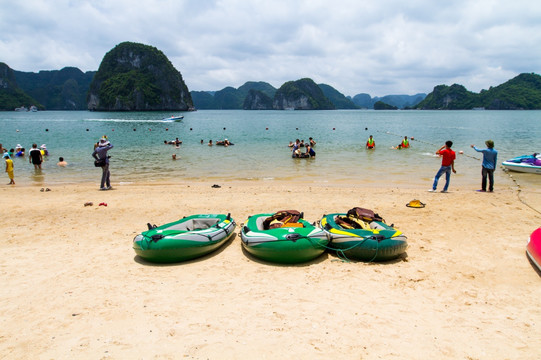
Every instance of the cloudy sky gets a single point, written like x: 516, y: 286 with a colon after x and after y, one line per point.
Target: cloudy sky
x: 379, y: 47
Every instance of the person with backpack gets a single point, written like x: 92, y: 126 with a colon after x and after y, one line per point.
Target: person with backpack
x: 100, y: 153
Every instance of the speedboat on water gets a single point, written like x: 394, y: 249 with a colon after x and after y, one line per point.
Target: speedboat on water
x: 524, y: 163
x: 174, y: 118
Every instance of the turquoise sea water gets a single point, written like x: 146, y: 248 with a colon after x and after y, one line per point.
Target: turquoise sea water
x: 260, y: 152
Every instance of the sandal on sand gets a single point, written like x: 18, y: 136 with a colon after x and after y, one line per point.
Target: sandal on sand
x: 47, y: 189
x: 102, y: 204
x: 90, y: 203
x: 42, y: 189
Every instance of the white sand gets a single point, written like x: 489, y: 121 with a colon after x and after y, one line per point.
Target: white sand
x: 73, y: 288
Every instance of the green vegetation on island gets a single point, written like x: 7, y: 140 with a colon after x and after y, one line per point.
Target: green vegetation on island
x: 303, y: 94
x: 520, y: 93
x: 380, y: 105
x: 64, y: 89
x: 365, y: 101
x: 137, y: 77
x: 11, y: 95
x: 337, y: 98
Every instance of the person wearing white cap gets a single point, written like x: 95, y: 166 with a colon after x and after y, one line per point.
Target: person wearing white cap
x: 100, y: 153
x: 44, y: 150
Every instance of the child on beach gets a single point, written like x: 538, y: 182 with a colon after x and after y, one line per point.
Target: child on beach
x: 9, y: 168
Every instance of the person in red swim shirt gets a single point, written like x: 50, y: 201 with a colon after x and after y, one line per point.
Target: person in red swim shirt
x: 447, y: 165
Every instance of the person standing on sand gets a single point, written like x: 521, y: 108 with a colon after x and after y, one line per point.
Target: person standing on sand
x: 490, y: 159
x: 35, y: 156
x: 447, y: 164
x: 101, y: 153
x: 9, y: 168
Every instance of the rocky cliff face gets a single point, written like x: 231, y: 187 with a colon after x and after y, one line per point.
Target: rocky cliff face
x: 257, y: 100
x: 137, y: 77
x: 303, y: 94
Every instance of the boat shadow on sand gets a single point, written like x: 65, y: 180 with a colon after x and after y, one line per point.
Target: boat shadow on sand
x: 327, y: 255
x: 216, y: 252
x: 533, y: 264
x: 317, y: 260
x: 335, y: 257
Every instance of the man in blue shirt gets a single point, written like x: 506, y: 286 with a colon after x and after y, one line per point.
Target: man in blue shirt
x: 490, y: 158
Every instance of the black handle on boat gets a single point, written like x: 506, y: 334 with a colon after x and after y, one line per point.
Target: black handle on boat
x: 157, y: 237
x: 378, y: 237
x: 293, y: 237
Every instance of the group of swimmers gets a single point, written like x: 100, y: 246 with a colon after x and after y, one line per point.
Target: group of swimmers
x: 19, y: 151
x: 36, y: 156
x: 404, y: 144
x: 223, y: 142
x: 175, y: 142
x: 178, y: 142
x: 296, y: 151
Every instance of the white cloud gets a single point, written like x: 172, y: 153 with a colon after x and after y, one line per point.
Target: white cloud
x: 377, y: 47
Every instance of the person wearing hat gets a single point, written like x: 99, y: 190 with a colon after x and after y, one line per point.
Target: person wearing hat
x: 44, y: 151
x: 9, y: 168
x: 100, y: 153
x: 490, y: 158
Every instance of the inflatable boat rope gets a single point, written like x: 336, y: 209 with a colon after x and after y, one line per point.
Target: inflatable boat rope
x: 344, y: 258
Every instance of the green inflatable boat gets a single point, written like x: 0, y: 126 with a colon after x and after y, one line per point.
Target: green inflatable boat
x: 185, y: 239
x: 362, y: 235
x: 283, y: 237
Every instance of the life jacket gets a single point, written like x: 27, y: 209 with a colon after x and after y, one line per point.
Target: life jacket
x: 351, y: 222
x: 370, y: 142
x: 281, y: 219
x: 405, y: 143
x: 364, y: 214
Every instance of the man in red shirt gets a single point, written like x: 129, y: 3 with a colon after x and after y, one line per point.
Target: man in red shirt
x: 447, y: 164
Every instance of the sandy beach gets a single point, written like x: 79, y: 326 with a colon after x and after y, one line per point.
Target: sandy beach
x: 73, y: 288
